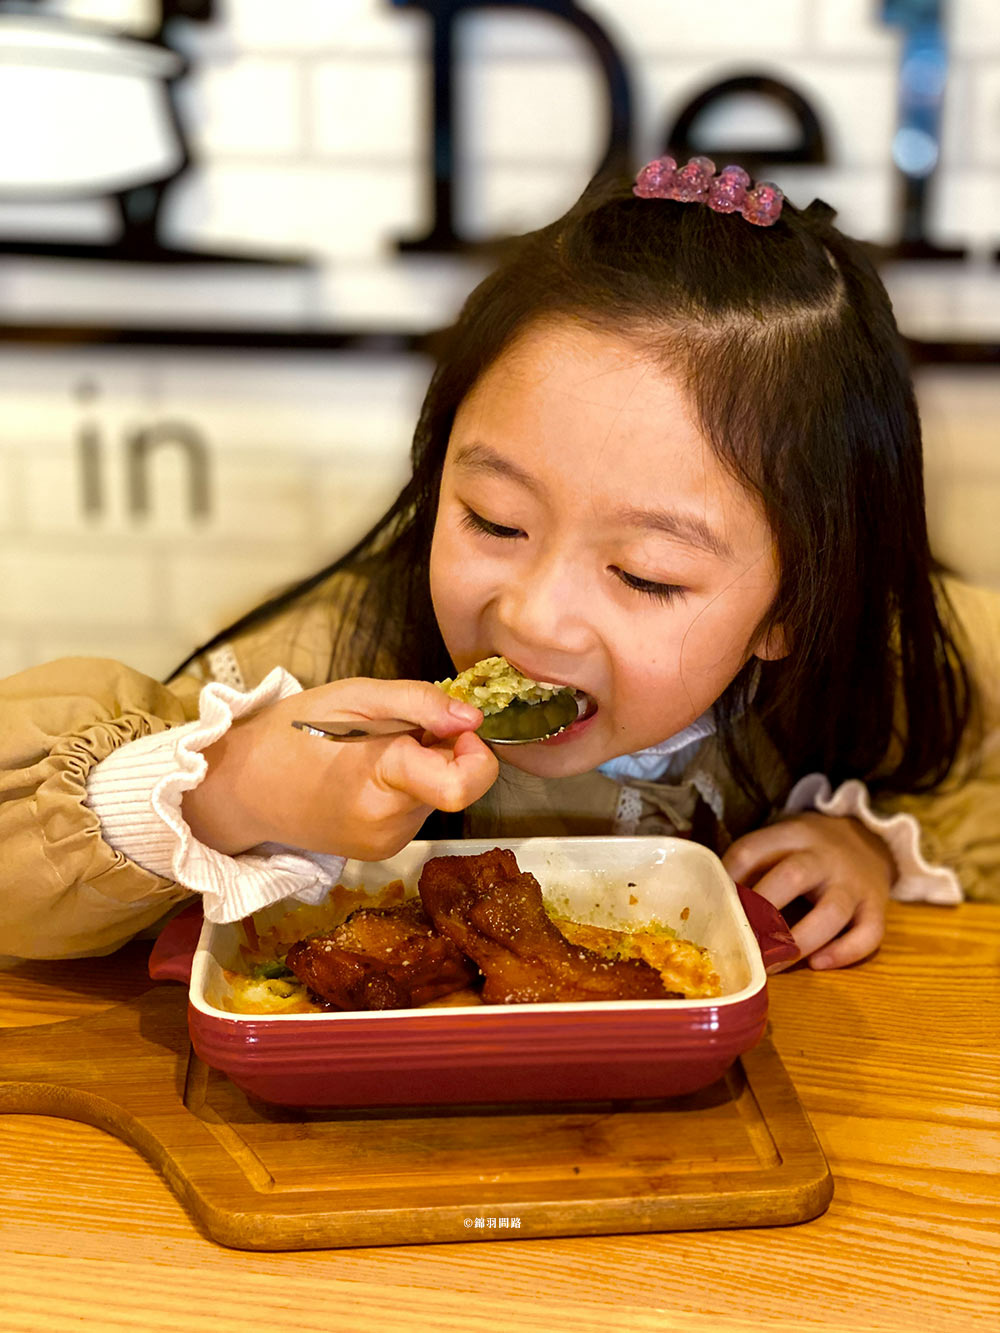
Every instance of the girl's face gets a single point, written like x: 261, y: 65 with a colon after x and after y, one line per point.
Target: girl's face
x: 587, y: 532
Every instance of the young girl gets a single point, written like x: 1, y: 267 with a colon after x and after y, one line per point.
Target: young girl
x: 670, y: 457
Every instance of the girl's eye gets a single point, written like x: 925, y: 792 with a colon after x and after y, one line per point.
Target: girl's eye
x: 662, y: 592
x: 476, y: 523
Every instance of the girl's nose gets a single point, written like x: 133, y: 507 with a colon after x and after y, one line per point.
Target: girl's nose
x: 545, y: 606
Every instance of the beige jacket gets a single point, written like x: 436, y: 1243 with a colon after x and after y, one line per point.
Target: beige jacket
x: 65, y: 892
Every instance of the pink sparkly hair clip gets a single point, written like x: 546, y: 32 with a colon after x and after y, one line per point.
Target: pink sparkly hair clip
x: 696, y: 183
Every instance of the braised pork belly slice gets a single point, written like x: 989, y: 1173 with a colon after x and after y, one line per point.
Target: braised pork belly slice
x: 389, y: 958
x: 495, y: 915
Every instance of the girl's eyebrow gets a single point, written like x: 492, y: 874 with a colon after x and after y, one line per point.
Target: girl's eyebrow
x: 481, y: 458
x: 687, y: 528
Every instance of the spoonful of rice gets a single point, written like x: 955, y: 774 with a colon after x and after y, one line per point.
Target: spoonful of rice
x: 516, y: 710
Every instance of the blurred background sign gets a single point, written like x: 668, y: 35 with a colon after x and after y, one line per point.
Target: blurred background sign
x: 229, y: 228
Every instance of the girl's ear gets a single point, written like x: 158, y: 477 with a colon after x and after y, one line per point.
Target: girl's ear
x: 772, y: 644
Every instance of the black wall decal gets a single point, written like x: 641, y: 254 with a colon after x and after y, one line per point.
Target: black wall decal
x: 138, y: 447
x: 683, y: 139
x: 444, y: 154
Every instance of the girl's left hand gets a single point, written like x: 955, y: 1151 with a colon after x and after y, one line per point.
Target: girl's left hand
x: 842, y: 868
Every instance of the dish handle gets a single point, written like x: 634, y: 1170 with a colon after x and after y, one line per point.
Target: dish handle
x: 777, y: 945
x: 172, y: 956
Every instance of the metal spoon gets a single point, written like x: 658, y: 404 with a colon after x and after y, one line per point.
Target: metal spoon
x: 355, y: 729
x: 350, y: 727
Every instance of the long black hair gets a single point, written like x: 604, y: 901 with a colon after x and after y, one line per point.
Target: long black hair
x: 785, y: 339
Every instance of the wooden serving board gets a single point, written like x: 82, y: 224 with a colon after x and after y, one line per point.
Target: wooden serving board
x: 741, y: 1153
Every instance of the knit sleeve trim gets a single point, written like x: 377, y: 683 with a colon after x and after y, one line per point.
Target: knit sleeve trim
x: 136, y: 792
x: 917, y: 880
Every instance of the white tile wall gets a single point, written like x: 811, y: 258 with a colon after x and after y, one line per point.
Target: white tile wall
x: 982, y: 146
x: 533, y: 111
x: 309, y: 122
x: 254, y: 107
x: 316, y: 25
x: 78, y: 584
x: 367, y: 108
x: 345, y: 214
x: 723, y: 26
x: 975, y: 27
x: 534, y: 35
x: 304, y: 453
x: 847, y: 28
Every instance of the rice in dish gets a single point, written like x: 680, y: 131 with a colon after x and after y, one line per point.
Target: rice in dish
x: 683, y: 965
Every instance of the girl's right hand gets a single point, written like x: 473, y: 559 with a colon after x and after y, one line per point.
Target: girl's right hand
x: 268, y: 782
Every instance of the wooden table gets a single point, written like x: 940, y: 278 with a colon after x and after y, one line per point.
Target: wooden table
x: 897, y: 1062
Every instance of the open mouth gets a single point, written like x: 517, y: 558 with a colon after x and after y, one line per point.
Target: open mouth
x: 586, y: 704
x: 542, y: 720
x: 520, y: 708
x: 586, y: 707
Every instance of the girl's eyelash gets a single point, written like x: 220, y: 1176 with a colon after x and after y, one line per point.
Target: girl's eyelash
x: 476, y: 523
x: 661, y: 592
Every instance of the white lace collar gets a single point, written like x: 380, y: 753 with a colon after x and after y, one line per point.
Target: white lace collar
x: 658, y: 760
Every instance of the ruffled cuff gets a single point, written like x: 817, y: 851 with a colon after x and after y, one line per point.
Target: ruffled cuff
x: 916, y: 879
x: 136, y: 793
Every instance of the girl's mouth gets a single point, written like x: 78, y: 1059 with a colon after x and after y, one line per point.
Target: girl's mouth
x: 587, y: 706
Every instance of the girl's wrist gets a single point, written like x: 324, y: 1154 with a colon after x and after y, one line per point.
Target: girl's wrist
x: 216, y: 811
x: 879, y: 848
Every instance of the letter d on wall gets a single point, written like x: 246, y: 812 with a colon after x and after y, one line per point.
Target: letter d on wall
x: 442, y: 237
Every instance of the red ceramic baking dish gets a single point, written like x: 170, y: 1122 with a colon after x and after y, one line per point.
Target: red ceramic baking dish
x: 507, y: 1053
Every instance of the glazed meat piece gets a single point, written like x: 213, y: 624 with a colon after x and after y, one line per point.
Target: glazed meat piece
x: 381, y: 959
x: 342, y: 980
x: 495, y: 914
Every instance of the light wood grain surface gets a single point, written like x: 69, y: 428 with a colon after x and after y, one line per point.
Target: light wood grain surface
x: 896, y: 1062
